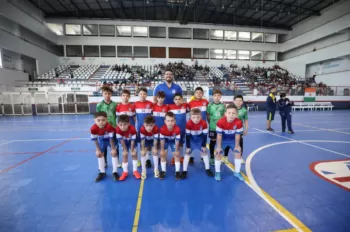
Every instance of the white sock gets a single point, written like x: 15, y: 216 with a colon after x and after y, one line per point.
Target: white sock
x: 101, y: 164
x: 115, y: 164
x: 186, y: 161
x: 125, y: 167
x: 177, y: 166
x: 217, y: 165
x: 163, y: 164
x: 134, y: 165
x: 155, y: 163
x: 238, y: 163
x: 143, y: 163
x: 206, y: 161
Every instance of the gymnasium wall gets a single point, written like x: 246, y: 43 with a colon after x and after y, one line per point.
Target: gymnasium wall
x: 9, y: 77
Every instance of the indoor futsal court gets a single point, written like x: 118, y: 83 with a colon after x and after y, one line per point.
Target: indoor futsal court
x: 294, y: 182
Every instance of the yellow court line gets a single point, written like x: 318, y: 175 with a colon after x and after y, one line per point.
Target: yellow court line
x: 289, y: 215
x: 138, y: 208
x: 287, y: 230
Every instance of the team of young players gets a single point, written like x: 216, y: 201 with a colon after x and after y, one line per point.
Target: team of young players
x: 160, y: 127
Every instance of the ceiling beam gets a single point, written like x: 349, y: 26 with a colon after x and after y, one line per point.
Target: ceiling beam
x: 99, y: 5
x: 315, y: 12
x: 89, y: 8
x: 122, y: 8
x: 37, y: 6
x: 285, y: 8
x: 54, y: 9
x: 75, y: 6
x: 205, y: 8
x: 59, y: 1
x: 115, y: 12
x: 291, y: 20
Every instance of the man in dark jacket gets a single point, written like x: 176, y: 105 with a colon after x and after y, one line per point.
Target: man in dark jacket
x: 271, y: 107
x: 285, y: 108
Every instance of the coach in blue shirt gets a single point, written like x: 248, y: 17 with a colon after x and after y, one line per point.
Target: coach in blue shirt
x: 168, y: 87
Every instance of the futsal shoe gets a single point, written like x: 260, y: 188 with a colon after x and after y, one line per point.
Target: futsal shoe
x: 161, y: 175
x: 137, y: 174
x: 115, y: 176
x: 156, y: 174
x: 184, y: 175
x: 177, y: 175
x: 217, y: 176
x: 291, y: 132
x: 239, y: 176
x: 100, y: 177
x: 270, y: 129
x: 209, y: 173
x: 123, y: 176
x: 143, y: 175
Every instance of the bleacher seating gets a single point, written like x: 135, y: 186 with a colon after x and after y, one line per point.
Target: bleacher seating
x: 51, y: 74
x: 85, y: 71
x: 313, y: 106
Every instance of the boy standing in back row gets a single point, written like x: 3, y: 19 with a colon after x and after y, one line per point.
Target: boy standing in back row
x: 216, y: 110
x: 109, y: 107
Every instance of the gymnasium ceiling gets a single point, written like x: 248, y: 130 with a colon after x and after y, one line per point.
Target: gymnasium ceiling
x: 282, y: 14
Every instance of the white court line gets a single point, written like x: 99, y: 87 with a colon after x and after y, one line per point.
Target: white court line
x: 256, y: 187
x: 49, y: 120
x: 46, y: 129
x: 323, y: 129
x: 34, y: 140
x: 7, y: 142
x: 300, y: 141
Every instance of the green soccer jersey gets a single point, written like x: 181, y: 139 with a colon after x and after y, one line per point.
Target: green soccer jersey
x: 110, y: 110
x: 215, y: 111
x: 243, y: 114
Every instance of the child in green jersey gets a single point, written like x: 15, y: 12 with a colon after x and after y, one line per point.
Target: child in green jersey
x: 108, y: 106
x: 215, y: 111
x: 243, y: 116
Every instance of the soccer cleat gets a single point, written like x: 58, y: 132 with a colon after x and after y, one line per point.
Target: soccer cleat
x: 148, y: 164
x: 239, y: 176
x: 138, y: 163
x: 143, y: 175
x: 156, y: 174
x: 137, y: 174
x: 209, y: 173
x: 100, y: 177
x: 217, y: 176
x: 212, y: 162
x: 177, y: 175
x: 291, y: 132
x: 191, y: 161
x: 270, y: 129
x: 161, y: 175
x: 115, y: 176
x: 184, y: 175
x: 173, y: 161
x: 123, y: 176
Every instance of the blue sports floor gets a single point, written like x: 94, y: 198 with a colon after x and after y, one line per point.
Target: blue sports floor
x: 48, y: 167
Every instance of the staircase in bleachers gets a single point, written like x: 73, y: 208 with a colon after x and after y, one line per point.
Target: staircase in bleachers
x: 66, y: 73
x: 100, y: 72
x: 243, y: 87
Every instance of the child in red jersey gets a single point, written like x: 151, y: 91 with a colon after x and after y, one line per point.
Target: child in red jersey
x: 149, y: 136
x: 102, y: 133
x: 125, y: 107
x: 160, y: 109
x: 126, y: 135
x: 169, y: 136
x: 229, y: 130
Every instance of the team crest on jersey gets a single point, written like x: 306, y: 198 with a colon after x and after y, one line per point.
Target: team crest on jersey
x: 147, y: 106
x: 173, y: 91
x: 234, y: 127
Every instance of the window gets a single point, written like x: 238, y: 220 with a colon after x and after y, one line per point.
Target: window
x: 243, y: 55
x: 201, y: 34
x: 107, y: 30
x: 257, y: 55
x: 270, y: 38
x: 244, y: 36
x: 216, y: 34
x: 73, y: 29
x: 216, y: 54
x: 201, y: 53
x: 230, y: 35
x: 108, y: 51
x: 124, y: 51
x: 230, y: 54
x: 180, y: 33
x: 91, y: 51
x: 271, y: 56
x: 140, y: 31
x: 124, y: 31
x: 55, y: 28
x: 257, y: 37
x: 141, y: 52
x: 157, y: 52
x: 74, y: 50
x: 157, y: 32
x: 180, y: 53
x: 90, y: 30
